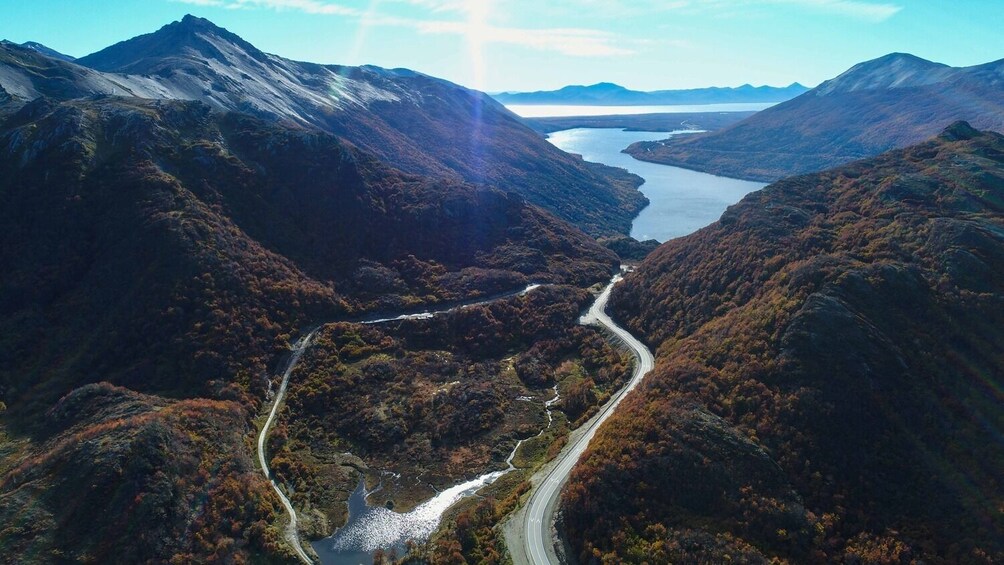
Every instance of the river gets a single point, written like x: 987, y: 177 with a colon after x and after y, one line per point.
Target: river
x: 681, y: 201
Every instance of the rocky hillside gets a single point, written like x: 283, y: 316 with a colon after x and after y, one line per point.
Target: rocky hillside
x: 173, y: 250
x: 890, y: 102
x: 829, y: 375
x: 418, y: 123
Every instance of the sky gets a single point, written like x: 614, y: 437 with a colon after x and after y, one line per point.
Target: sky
x: 525, y: 45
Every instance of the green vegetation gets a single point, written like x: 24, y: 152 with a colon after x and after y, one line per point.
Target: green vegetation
x: 828, y: 377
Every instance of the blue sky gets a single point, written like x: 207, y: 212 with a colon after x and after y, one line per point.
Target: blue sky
x: 543, y: 44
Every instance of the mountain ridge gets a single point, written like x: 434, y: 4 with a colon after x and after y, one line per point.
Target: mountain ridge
x: 48, y: 51
x: 888, y: 102
x: 420, y: 124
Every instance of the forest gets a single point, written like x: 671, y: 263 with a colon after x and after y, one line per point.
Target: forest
x: 158, y: 258
x: 438, y: 400
x: 828, y: 379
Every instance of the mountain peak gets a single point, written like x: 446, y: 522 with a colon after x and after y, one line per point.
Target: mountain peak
x: 607, y: 86
x: 196, y: 23
x: 895, y: 70
x: 900, y: 56
x: 960, y: 131
x: 192, y: 37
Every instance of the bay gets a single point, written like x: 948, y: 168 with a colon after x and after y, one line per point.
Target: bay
x: 681, y: 201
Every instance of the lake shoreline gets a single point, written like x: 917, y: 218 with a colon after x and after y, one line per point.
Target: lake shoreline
x: 681, y: 201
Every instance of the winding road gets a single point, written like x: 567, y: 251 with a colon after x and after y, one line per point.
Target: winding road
x: 292, y: 534
x: 534, y: 541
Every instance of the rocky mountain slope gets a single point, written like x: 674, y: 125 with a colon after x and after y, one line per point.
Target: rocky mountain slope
x: 829, y: 375
x: 889, y: 102
x: 420, y: 124
x: 173, y: 250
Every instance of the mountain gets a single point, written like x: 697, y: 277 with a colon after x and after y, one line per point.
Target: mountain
x: 420, y: 124
x: 829, y: 375
x: 156, y: 258
x: 608, y: 94
x: 26, y: 74
x: 103, y: 197
x: 887, y: 103
x: 48, y: 52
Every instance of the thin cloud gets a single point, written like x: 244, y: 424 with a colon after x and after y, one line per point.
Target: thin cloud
x: 567, y: 41
x: 201, y: 2
x: 574, y: 42
x: 871, y: 11
x: 306, y: 6
x: 858, y: 9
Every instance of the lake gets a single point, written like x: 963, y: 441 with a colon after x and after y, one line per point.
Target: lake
x: 562, y: 111
x: 681, y: 201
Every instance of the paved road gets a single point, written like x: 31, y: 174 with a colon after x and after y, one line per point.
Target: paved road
x: 538, y: 516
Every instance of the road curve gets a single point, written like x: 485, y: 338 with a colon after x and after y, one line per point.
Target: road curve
x: 292, y: 535
x: 538, y: 516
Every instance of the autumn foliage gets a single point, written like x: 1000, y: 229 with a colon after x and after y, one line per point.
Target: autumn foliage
x: 828, y: 377
x: 176, y: 251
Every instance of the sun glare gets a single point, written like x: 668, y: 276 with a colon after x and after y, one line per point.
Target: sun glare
x: 477, y: 32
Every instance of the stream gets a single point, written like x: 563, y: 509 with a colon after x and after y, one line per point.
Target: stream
x: 370, y: 528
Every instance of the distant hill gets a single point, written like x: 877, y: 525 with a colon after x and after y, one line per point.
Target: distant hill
x: 609, y: 94
x: 829, y: 379
x: 49, y: 52
x: 889, y: 102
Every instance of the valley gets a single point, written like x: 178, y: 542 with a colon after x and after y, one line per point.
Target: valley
x: 257, y: 309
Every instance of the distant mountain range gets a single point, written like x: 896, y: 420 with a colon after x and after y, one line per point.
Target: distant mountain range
x: 419, y: 123
x: 889, y: 102
x: 609, y: 94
